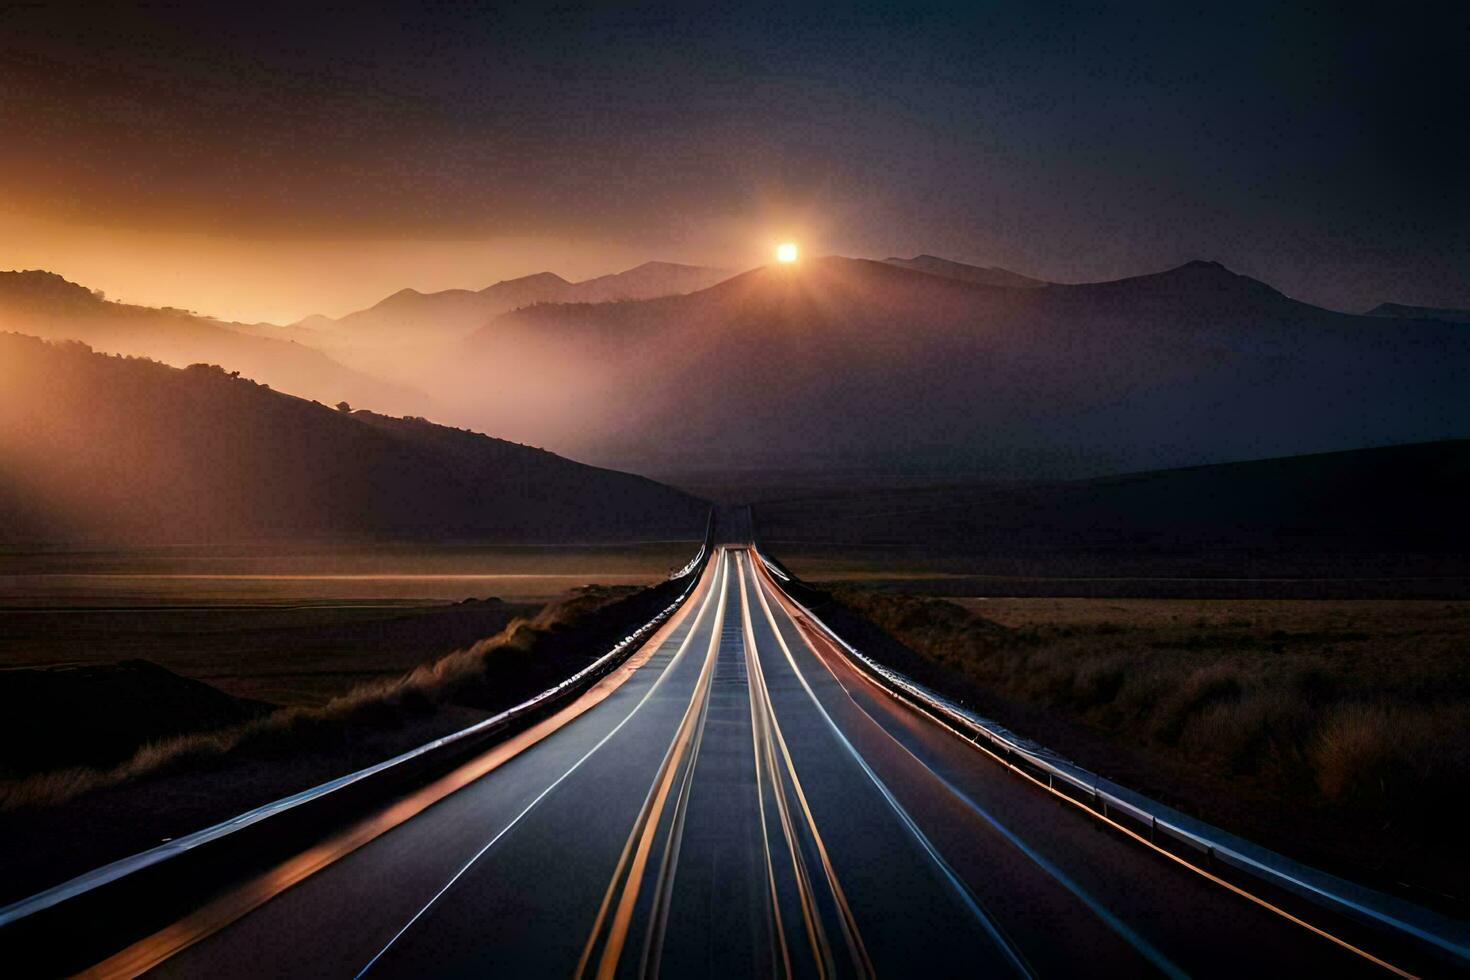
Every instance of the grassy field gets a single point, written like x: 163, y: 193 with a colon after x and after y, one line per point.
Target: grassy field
x: 1271, y: 717
x: 290, y: 626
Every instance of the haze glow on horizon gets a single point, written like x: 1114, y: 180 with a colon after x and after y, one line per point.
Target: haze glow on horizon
x: 281, y: 281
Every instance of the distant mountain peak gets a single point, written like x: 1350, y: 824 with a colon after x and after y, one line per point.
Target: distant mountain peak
x: 546, y: 279
x: 1203, y: 275
x: 1204, y: 265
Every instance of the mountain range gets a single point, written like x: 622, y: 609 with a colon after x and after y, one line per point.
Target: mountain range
x: 409, y: 314
x: 103, y: 449
x: 848, y: 362
x: 901, y: 366
x: 404, y: 336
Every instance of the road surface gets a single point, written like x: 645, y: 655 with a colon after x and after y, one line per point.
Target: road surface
x: 742, y: 803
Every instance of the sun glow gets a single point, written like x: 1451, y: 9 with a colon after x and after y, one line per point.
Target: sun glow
x: 786, y: 252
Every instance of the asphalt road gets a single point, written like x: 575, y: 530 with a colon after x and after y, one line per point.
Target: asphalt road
x: 743, y: 803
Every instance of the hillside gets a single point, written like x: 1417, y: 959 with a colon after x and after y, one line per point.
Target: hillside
x: 1394, y: 499
x: 985, y: 275
x: 109, y: 449
x: 44, y: 304
x: 850, y: 363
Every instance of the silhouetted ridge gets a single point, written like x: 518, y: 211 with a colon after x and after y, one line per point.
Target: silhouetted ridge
x: 410, y: 316
x: 38, y: 289
x: 1404, y: 312
x: 985, y: 275
x: 537, y: 280
x: 1196, y: 274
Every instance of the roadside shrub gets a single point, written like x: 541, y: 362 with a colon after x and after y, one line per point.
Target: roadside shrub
x: 1261, y: 730
x: 1201, y: 688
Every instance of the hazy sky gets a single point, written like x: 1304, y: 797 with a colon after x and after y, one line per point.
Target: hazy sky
x: 267, y: 162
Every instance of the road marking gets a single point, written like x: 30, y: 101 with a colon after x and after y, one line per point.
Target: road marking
x: 760, y: 706
x: 1144, y: 948
x: 1151, y: 845
x: 851, y: 934
x: 650, y: 815
x: 806, y: 897
x: 694, y: 628
x: 669, y: 864
x: 773, y: 907
x: 1013, y: 954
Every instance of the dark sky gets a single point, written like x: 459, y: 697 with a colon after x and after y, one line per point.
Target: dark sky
x: 1324, y: 148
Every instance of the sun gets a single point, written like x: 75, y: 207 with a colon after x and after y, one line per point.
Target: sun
x: 786, y: 252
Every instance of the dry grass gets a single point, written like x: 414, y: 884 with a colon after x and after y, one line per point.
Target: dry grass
x: 476, y: 675
x: 1354, y: 712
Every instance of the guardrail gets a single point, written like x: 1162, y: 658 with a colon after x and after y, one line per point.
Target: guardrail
x: 702, y: 553
x: 1449, y: 936
x: 122, y: 868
